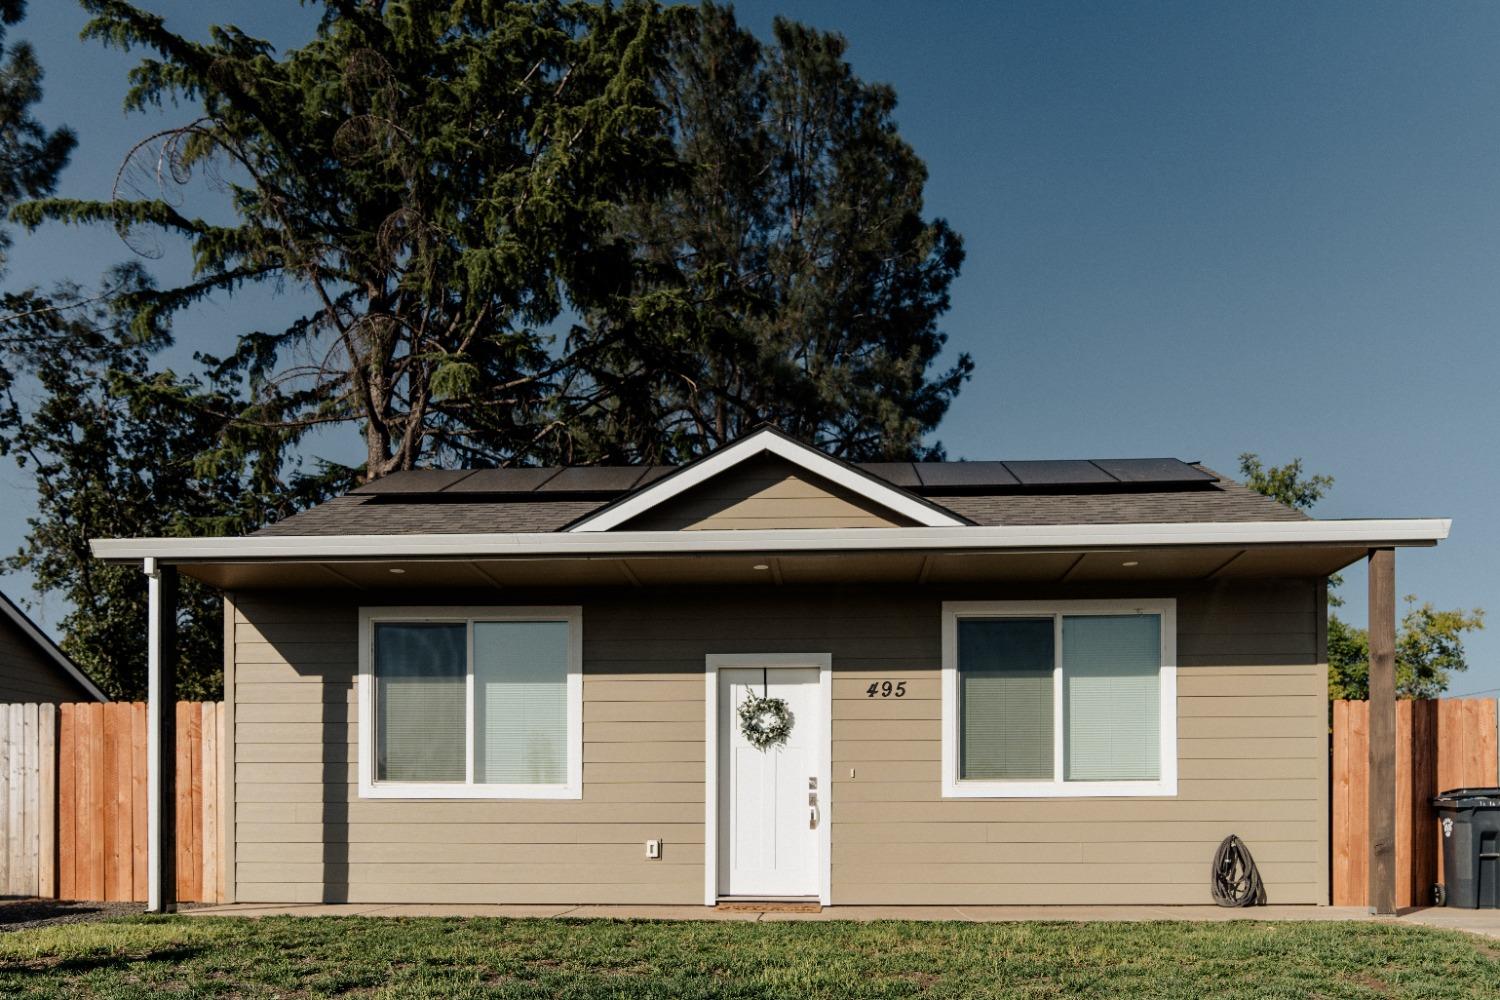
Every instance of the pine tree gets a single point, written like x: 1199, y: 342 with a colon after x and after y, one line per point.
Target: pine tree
x: 788, y: 277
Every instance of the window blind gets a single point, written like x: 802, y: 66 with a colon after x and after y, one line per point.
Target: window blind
x: 1112, y: 697
x: 521, y: 702
x: 420, y: 675
x: 1005, y: 697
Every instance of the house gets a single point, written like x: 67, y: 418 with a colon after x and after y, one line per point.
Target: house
x: 32, y: 668
x: 1005, y: 682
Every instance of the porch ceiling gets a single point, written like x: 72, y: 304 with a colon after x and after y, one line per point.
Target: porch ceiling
x: 789, y: 569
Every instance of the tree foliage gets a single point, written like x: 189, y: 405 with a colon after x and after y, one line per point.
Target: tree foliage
x: 1429, y: 641
x: 116, y: 449
x: 523, y: 232
x: 1285, y: 483
x: 1429, y: 648
x: 790, y: 277
x: 30, y: 156
x: 434, y: 177
x: 724, y: 233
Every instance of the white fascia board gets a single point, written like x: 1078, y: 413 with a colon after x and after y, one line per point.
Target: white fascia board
x: 971, y: 538
x: 767, y: 442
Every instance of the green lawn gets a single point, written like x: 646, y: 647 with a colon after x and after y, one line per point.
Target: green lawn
x: 309, y: 957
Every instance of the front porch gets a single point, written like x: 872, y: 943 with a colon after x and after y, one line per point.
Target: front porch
x: 940, y: 564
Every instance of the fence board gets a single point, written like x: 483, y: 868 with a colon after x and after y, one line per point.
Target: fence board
x: 31, y: 801
x: 17, y: 796
x: 138, y: 791
x: 209, y: 768
x: 1440, y: 745
x: 110, y: 816
x: 7, y: 818
x: 90, y: 843
x: 1406, y: 749
x: 187, y: 853
x: 46, y: 880
x: 1415, y: 828
x: 67, y: 732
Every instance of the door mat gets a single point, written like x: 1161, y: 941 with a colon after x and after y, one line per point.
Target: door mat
x: 772, y: 907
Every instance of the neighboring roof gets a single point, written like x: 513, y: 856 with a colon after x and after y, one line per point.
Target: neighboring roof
x: 49, y: 649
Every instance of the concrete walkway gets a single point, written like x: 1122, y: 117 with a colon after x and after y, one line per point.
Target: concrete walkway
x: 1485, y: 922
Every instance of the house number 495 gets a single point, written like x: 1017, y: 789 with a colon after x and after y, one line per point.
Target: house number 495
x: 885, y: 689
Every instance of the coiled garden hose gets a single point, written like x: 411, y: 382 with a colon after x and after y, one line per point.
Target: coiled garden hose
x: 1236, y: 880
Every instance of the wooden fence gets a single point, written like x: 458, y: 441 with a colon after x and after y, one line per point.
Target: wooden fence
x: 28, y: 800
x: 73, y: 801
x: 1439, y: 745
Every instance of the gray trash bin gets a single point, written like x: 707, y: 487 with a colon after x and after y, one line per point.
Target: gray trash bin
x: 1470, y: 820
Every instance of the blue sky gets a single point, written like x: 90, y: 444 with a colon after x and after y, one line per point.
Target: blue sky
x: 1192, y: 229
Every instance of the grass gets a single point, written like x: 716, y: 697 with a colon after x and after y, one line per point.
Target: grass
x: 371, y: 957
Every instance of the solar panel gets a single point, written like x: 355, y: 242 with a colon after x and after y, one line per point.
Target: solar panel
x: 964, y: 475
x: 522, y: 480
x: 594, y: 479
x: 900, y: 474
x: 1153, y: 470
x: 919, y: 476
x: 653, y: 473
x: 414, y: 481
x: 1060, y: 473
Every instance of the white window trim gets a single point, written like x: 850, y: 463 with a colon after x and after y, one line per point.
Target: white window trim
x: 369, y: 788
x: 1165, y: 785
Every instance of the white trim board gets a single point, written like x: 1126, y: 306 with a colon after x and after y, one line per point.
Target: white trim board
x: 369, y: 788
x: 712, y: 663
x: 1165, y: 785
x: 968, y: 538
x: 767, y: 441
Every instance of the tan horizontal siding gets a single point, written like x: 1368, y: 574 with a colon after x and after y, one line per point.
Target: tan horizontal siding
x: 1040, y: 893
x: 1252, y: 761
x: 602, y: 893
x: 478, y: 851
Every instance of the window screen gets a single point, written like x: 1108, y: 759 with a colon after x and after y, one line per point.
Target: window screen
x: 520, y: 702
x: 1112, y: 697
x: 1005, y: 698
x: 421, y: 676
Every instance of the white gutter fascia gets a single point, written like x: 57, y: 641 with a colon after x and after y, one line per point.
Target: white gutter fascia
x: 1068, y: 537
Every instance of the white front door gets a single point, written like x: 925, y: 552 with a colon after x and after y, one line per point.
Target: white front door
x: 768, y: 816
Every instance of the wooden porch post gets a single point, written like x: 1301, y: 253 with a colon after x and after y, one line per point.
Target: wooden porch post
x: 161, y: 738
x: 1382, y: 791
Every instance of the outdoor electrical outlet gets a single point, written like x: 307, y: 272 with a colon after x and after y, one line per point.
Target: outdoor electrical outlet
x: 653, y: 850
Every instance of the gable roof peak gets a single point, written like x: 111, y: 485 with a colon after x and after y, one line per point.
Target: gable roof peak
x: 770, y: 440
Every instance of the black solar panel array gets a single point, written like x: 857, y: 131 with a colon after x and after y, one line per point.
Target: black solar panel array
x: 951, y: 475
x: 921, y: 477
